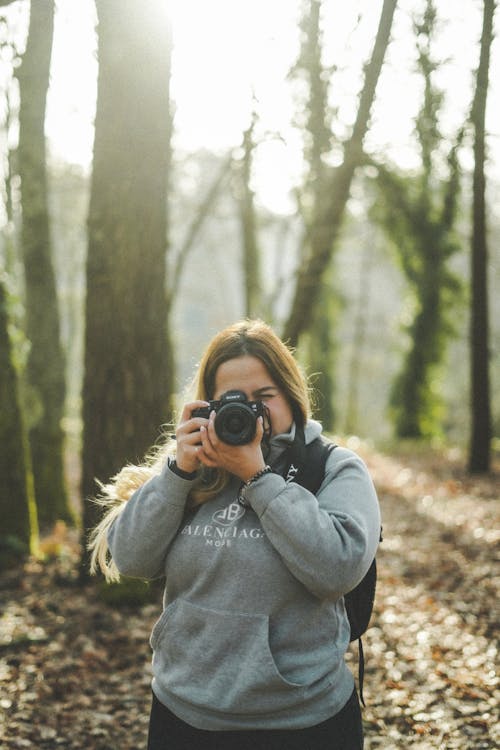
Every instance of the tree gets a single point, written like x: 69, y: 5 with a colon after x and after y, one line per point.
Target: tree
x: 127, y: 383
x: 201, y: 213
x: 319, y: 347
x: 248, y: 222
x: 360, y: 325
x: 45, y: 366
x: 418, y: 212
x: 480, y: 439
x: 17, y: 499
x: 326, y: 226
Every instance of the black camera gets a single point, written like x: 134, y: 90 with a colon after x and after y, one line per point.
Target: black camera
x: 235, y: 417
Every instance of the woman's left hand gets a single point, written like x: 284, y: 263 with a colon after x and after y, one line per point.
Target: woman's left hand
x: 244, y: 461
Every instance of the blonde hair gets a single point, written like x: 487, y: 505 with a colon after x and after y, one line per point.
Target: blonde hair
x: 246, y: 338
x: 112, y: 499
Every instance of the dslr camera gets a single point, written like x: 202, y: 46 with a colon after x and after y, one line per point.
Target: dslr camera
x: 235, y: 417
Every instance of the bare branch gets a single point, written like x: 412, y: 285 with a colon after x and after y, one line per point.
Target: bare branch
x: 326, y: 225
x: 195, y: 227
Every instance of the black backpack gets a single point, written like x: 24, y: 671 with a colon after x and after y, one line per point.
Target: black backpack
x: 307, y: 468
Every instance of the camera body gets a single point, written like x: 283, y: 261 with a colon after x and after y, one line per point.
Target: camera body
x: 235, y: 417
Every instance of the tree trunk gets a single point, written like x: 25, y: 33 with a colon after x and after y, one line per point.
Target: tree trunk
x: 321, y: 354
x: 45, y: 368
x: 326, y: 228
x: 127, y: 383
x: 419, y: 213
x: 480, y: 440
x: 359, y: 336
x: 17, y: 499
x: 248, y: 224
x: 320, y: 339
x: 193, y: 230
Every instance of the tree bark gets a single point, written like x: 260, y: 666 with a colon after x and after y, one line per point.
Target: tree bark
x: 326, y: 228
x: 17, y: 499
x: 320, y: 346
x: 359, y: 337
x: 127, y: 382
x: 419, y: 213
x: 45, y: 367
x: 480, y: 438
x: 248, y: 223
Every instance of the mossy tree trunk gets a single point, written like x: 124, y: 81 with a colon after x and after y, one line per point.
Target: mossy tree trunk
x: 17, y: 500
x: 127, y: 383
x: 418, y: 213
x: 318, y: 347
x: 327, y: 223
x: 320, y: 353
x: 45, y: 367
x: 480, y: 439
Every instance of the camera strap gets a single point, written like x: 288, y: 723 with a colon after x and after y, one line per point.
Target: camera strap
x: 305, y: 464
x: 294, y: 456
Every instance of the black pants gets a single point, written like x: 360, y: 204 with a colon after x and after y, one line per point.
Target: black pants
x: 342, y: 732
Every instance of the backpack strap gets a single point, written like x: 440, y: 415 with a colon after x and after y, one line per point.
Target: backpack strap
x: 305, y: 464
x: 361, y: 670
x: 359, y: 605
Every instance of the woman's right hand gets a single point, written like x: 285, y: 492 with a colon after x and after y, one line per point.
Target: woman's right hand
x: 188, y: 437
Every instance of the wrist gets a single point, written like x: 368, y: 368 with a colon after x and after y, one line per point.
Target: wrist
x: 248, y: 469
x: 249, y: 482
x: 257, y: 475
x: 181, y: 471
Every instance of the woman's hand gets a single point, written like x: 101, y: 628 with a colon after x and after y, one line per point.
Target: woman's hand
x: 241, y: 460
x: 188, y: 437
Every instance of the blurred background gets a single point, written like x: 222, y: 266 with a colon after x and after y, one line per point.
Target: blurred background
x: 170, y: 167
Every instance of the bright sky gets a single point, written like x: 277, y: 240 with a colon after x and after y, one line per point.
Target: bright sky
x: 227, y: 51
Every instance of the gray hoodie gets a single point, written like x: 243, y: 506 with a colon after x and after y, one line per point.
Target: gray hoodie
x: 253, y: 631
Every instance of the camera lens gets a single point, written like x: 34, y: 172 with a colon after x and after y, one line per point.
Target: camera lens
x: 235, y: 424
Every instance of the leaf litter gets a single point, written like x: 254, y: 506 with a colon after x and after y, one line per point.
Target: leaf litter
x: 75, y: 672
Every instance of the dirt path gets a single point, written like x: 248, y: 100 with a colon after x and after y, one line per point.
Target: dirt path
x: 75, y: 673
x: 433, y: 647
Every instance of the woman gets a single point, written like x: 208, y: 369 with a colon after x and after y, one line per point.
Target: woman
x: 249, y: 650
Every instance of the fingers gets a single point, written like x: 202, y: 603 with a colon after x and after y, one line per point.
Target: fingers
x: 189, y: 424
x: 188, y: 436
x: 191, y: 427
x: 187, y: 451
x: 241, y: 460
x: 209, y: 443
x: 198, y: 443
x: 212, y: 435
x: 259, y: 430
x: 189, y: 408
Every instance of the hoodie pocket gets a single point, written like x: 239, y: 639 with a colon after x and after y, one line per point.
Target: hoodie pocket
x: 220, y: 660
x: 160, y: 626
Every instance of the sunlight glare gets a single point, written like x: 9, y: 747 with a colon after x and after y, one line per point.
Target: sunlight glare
x: 225, y: 53
x: 231, y: 57
x: 72, y: 94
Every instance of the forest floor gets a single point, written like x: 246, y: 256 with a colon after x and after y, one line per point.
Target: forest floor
x: 75, y: 672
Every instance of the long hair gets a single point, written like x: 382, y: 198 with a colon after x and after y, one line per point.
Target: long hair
x: 246, y: 338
